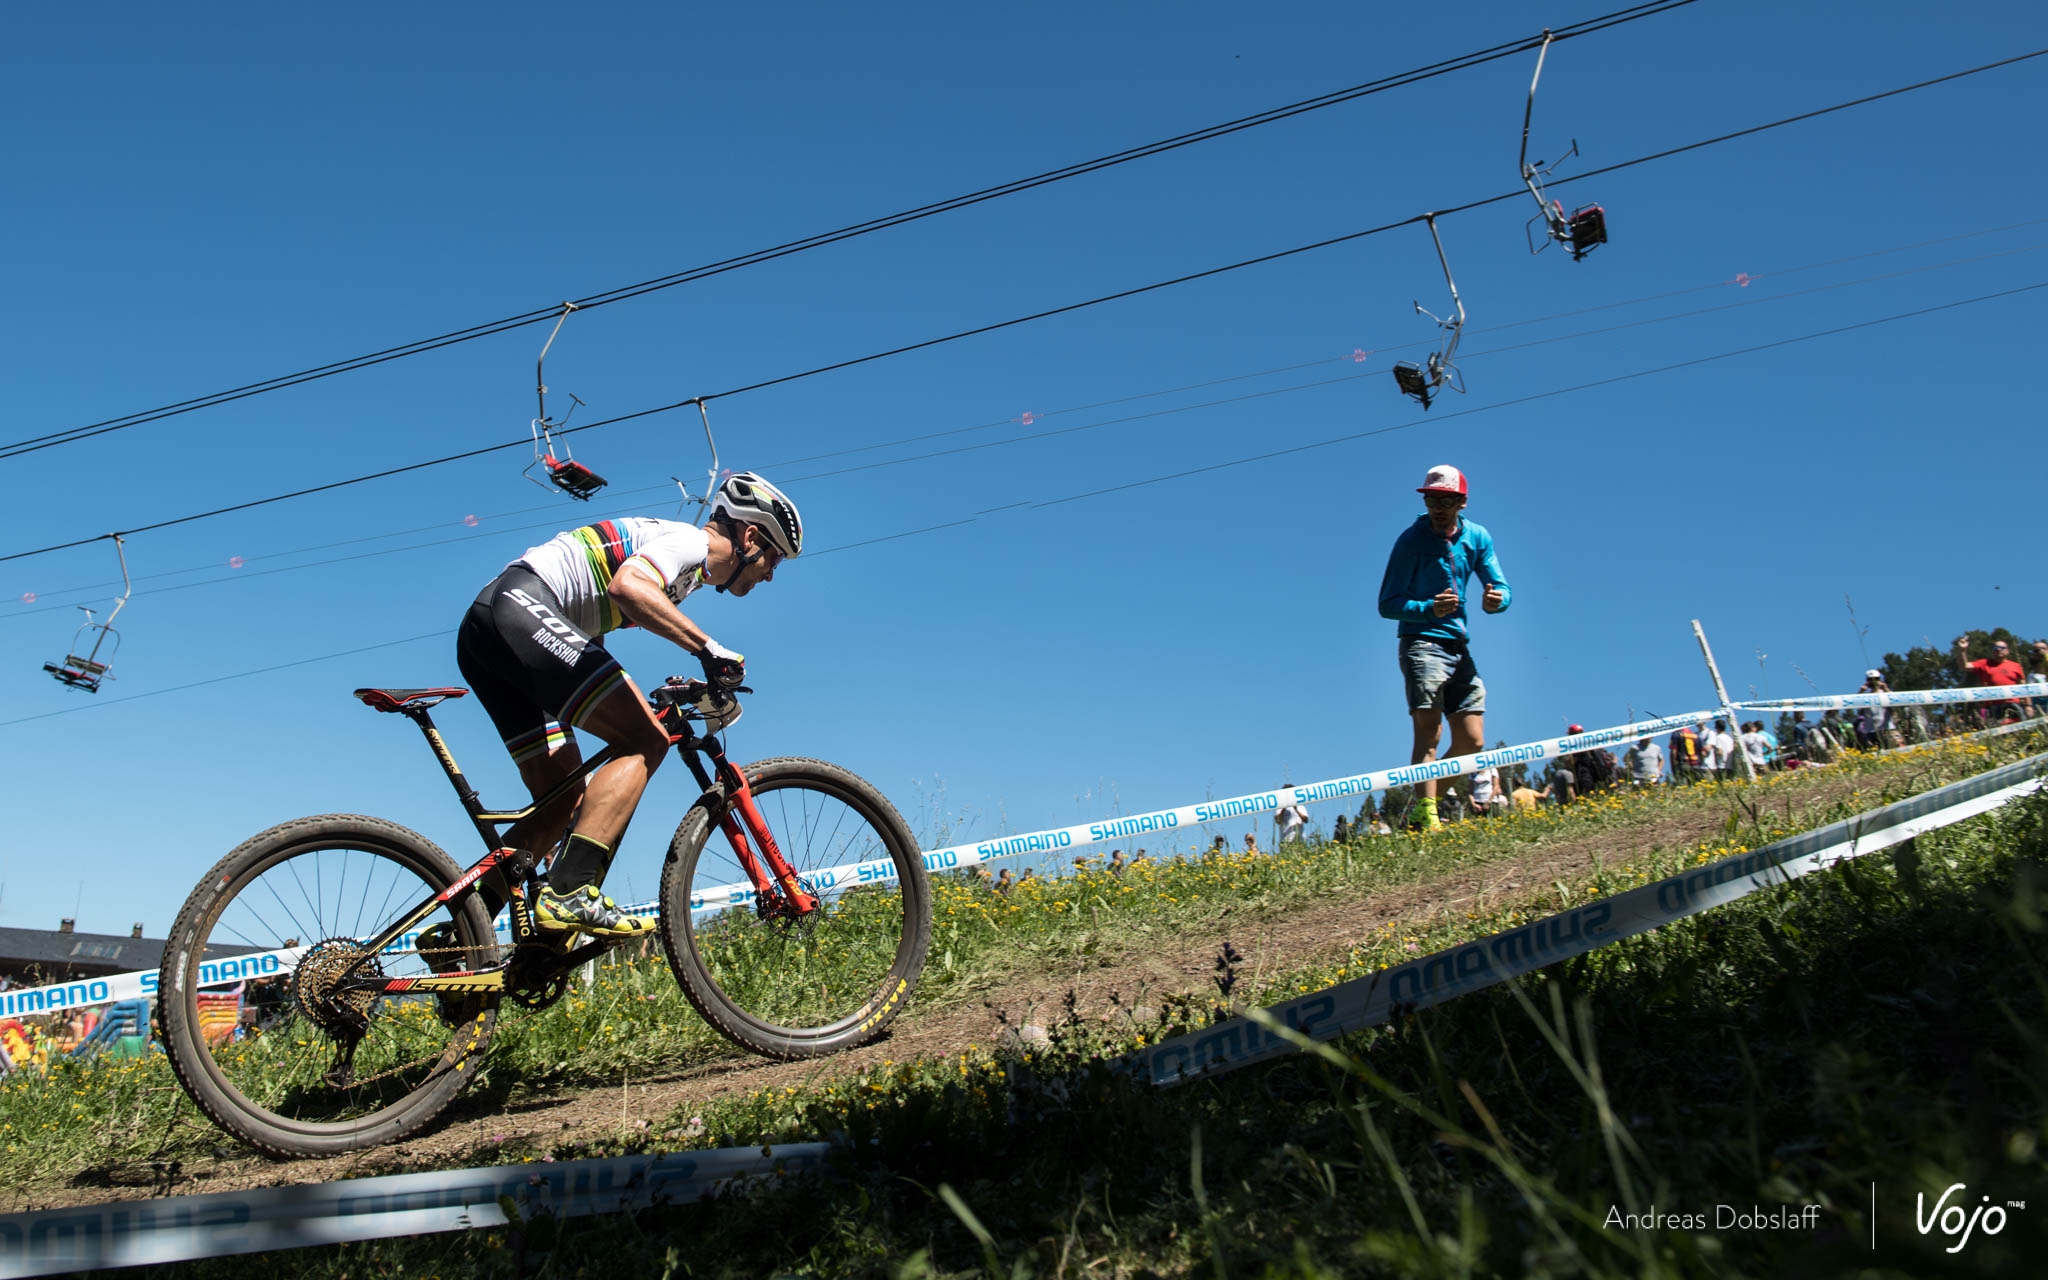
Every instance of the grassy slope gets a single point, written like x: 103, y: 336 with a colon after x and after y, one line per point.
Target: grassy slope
x: 1767, y: 1051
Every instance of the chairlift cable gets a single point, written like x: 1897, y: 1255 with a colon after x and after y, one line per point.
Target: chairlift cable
x: 524, y: 441
x: 1547, y: 395
x: 1176, y: 475
x: 820, y: 239
x: 449, y: 537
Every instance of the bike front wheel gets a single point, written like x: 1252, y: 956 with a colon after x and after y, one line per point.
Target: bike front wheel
x: 827, y: 982
x: 266, y: 1019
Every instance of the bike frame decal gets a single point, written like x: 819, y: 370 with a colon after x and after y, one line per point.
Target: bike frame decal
x: 467, y: 980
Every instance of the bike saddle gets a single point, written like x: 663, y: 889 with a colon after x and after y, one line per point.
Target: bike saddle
x: 400, y: 699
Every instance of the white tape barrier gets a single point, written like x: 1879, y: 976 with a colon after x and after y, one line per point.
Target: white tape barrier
x: 225, y: 972
x: 182, y: 1228
x: 1160, y: 821
x: 1442, y: 977
x: 2017, y: 726
x: 1900, y: 698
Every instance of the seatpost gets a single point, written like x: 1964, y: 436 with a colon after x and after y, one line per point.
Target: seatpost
x: 463, y: 791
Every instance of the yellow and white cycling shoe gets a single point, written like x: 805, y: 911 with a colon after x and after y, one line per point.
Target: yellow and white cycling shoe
x: 586, y: 910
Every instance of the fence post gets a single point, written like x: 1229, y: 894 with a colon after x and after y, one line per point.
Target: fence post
x: 1727, y: 709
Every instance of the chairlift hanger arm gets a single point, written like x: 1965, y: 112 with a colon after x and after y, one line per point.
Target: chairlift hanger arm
x: 1529, y: 110
x: 127, y: 584
x: 540, y: 365
x: 1456, y: 302
x: 711, y: 476
x: 1533, y: 174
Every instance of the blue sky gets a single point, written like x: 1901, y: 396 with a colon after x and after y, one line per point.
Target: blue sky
x: 200, y: 200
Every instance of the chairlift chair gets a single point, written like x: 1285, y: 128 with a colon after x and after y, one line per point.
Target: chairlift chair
x: 91, y: 657
x: 1421, y: 382
x: 564, y: 472
x: 561, y: 472
x: 1585, y: 228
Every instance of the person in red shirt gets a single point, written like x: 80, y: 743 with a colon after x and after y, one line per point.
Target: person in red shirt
x: 1999, y: 670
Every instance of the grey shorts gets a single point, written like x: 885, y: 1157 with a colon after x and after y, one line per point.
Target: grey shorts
x: 1441, y: 678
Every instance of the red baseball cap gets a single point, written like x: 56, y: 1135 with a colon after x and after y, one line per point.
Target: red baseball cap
x: 1443, y: 478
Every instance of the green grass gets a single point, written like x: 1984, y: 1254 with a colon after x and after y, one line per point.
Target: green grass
x: 946, y: 1119
x: 1881, y: 1022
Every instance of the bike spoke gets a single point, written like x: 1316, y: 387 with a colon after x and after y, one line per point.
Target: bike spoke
x: 310, y: 1047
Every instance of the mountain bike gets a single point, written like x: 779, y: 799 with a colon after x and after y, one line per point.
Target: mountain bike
x: 378, y: 976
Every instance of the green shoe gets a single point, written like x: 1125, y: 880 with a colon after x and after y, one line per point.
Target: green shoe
x: 586, y: 910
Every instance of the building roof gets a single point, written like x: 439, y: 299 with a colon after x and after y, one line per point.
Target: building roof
x: 52, y: 949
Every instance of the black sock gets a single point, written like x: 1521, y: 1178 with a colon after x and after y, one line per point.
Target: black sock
x: 583, y: 861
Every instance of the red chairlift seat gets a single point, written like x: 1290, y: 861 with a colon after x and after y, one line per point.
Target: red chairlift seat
x: 1586, y: 231
x: 402, y: 699
x: 573, y: 478
x: 78, y: 672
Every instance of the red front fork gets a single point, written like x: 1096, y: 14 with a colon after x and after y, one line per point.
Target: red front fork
x: 783, y: 894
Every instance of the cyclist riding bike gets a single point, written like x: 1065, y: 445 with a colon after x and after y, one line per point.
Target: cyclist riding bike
x: 532, y: 650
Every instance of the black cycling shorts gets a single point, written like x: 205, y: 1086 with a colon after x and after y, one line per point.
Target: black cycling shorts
x: 532, y: 671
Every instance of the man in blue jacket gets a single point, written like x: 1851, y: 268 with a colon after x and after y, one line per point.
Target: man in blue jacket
x: 1423, y: 590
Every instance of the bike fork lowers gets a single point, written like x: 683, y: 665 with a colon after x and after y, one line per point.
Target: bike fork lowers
x: 777, y: 886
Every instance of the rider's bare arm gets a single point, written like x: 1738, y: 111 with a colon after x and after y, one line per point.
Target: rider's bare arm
x: 641, y: 596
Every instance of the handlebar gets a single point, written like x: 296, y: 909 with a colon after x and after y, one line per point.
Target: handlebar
x: 686, y: 697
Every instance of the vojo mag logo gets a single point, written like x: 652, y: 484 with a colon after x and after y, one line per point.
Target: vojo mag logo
x: 1958, y: 1221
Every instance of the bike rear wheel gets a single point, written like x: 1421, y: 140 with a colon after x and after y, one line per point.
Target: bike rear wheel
x: 838, y: 977
x: 265, y: 1043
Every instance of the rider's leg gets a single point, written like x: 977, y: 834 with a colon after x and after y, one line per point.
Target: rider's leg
x: 621, y: 717
x: 545, y: 828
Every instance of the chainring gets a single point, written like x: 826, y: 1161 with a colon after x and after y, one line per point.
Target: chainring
x: 536, y: 977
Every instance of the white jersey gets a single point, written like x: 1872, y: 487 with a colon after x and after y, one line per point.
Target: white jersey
x: 1484, y: 783
x: 578, y: 566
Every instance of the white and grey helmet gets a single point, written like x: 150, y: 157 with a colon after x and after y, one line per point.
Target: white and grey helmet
x: 748, y: 498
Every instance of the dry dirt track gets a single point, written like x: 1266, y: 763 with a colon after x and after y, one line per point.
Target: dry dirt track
x: 1282, y: 938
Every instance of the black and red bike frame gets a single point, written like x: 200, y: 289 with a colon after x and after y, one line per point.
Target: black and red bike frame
x: 779, y: 892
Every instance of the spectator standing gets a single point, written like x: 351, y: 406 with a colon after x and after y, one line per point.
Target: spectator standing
x: 1685, y: 754
x: 1526, y: 798
x: 1720, y: 754
x: 1645, y: 763
x: 2041, y: 674
x: 1342, y: 831
x: 1997, y: 670
x: 1564, y: 783
x: 1380, y: 827
x: 1451, y: 808
x: 1251, y: 842
x: 1592, y: 769
x: 1288, y: 822
x: 1836, y: 726
x: 1003, y: 881
x: 1423, y: 590
x: 1486, y: 791
x: 1116, y: 862
x: 1756, y: 746
x: 1218, y: 847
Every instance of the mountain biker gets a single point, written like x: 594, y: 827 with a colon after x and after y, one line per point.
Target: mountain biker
x: 531, y: 648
